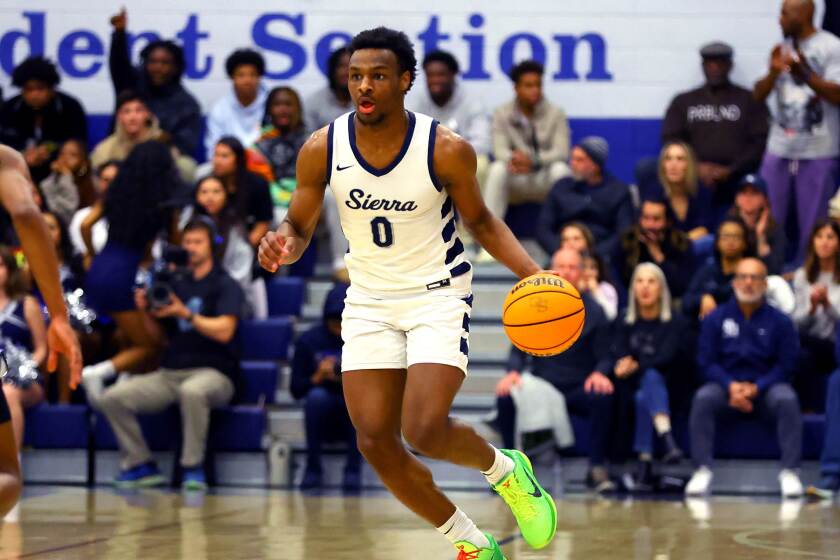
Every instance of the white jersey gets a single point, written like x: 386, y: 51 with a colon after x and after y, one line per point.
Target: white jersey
x: 399, y: 220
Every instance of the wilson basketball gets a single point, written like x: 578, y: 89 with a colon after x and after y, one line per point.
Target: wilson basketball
x: 543, y: 314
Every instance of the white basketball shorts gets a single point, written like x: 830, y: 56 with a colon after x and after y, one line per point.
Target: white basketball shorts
x: 401, y: 331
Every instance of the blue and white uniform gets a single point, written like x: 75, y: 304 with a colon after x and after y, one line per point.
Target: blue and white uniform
x: 410, y: 295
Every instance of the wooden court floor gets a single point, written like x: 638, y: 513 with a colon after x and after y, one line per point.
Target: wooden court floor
x: 71, y: 523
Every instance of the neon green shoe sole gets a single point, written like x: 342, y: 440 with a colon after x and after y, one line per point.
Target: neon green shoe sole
x: 468, y: 551
x: 533, y: 507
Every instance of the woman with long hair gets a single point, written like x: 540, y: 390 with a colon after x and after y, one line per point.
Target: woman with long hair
x: 249, y: 193
x: 105, y: 175
x: 274, y: 155
x: 70, y: 182
x: 138, y: 209
x: 21, y: 325
x: 712, y: 283
x: 650, y: 342
x: 233, y: 251
x: 816, y: 286
x: 688, y: 204
x: 577, y: 236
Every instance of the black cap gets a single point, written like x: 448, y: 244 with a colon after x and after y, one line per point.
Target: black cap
x: 718, y: 49
x: 753, y: 181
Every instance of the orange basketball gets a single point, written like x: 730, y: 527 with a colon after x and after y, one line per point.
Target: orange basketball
x: 543, y: 314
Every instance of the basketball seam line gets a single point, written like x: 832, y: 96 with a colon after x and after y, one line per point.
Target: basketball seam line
x: 546, y: 321
x: 540, y: 292
x: 523, y: 347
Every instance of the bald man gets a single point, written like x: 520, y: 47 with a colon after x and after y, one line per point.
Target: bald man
x: 804, y: 141
x: 581, y: 373
x: 747, y: 353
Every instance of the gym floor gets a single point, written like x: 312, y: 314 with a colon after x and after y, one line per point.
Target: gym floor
x: 68, y: 523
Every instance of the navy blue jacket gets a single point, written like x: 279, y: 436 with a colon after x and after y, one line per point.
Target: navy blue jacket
x: 606, y: 209
x: 316, y: 344
x: 176, y: 109
x: 762, y: 350
x: 709, y: 279
x: 570, y: 369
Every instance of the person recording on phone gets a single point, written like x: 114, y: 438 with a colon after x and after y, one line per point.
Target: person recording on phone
x: 196, y: 306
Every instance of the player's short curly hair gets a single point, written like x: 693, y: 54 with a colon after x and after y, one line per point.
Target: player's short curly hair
x: 244, y: 57
x: 444, y: 58
x: 388, y: 39
x: 526, y: 67
x: 36, y: 68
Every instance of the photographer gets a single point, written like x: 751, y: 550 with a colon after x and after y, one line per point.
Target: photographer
x: 199, y: 365
x: 654, y: 239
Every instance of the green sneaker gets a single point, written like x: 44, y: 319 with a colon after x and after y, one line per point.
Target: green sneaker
x: 468, y: 551
x: 533, y: 508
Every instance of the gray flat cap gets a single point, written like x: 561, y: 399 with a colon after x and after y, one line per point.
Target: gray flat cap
x: 718, y: 49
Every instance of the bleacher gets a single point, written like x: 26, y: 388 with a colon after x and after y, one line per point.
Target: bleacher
x: 260, y: 440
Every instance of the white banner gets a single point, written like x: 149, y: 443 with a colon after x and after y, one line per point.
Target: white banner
x: 604, y: 58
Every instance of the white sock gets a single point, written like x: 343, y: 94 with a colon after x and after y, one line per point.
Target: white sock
x: 662, y: 423
x: 102, y: 370
x: 502, y: 466
x: 459, y: 527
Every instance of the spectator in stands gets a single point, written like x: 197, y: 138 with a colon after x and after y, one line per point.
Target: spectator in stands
x: 723, y: 124
x: 158, y: 81
x: 39, y: 120
x: 240, y: 112
x: 689, y: 206
x: 105, y: 175
x: 753, y: 208
x: 817, y: 289
x: 274, y: 157
x: 577, y: 237
x: 591, y: 196
x: 199, y: 367
x: 804, y: 74
x: 580, y: 374
x: 233, y: 251
x: 447, y: 101
x: 70, y: 270
x: 829, y: 483
x: 530, y: 144
x: 274, y: 154
x: 333, y: 100
x: 654, y: 239
x: 315, y: 380
x: 70, y: 177
x: 649, y: 347
x: 136, y: 124
x: 21, y: 325
x: 712, y: 283
x: 138, y: 209
x: 248, y: 192
x: 747, y: 354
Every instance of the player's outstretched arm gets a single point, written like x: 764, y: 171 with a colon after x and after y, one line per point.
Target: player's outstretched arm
x: 289, y: 241
x: 16, y: 196
x: 454, y: 163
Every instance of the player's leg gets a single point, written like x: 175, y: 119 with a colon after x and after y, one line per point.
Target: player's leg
x: 427, y: 426
x: 374, y: 401
x: 437, y: 344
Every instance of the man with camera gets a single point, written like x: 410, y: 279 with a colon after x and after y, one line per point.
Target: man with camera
x: 198, y: 367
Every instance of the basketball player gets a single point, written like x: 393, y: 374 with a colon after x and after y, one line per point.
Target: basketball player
x: 398, y: 179
x: 16, y: 197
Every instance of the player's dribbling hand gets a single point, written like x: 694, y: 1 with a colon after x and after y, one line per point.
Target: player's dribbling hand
x: 275, y: 251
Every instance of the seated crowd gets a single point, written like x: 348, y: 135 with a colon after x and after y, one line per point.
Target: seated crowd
x: 705, y: 300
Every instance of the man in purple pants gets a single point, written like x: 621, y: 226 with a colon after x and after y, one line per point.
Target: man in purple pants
x: 804, y: 139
